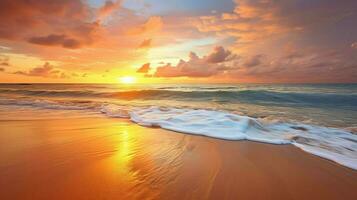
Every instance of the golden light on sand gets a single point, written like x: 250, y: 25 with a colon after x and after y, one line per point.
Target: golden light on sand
x: 127, y: 80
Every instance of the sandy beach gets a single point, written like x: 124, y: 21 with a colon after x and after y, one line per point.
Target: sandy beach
x: 107, y: 158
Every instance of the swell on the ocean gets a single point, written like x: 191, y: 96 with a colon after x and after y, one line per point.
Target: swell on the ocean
x: 219, y: 95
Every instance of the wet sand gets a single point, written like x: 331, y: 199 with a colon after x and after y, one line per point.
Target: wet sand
x: 102, y: 158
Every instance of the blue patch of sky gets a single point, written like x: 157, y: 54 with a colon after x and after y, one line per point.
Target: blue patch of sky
x: 172, y: 7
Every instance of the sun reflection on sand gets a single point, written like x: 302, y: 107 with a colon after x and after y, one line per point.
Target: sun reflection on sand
x: 121, y: 161
x: 124, y: 148
x: 143, y: 164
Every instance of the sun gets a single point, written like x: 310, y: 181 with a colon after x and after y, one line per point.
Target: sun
x: 127, y: 79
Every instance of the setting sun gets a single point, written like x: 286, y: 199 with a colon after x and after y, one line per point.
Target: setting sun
x: 127, y: 80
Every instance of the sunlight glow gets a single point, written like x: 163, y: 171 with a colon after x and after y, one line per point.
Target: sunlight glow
x: 127, y: 80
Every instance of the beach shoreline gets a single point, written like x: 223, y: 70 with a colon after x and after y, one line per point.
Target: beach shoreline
x: 108, y: 158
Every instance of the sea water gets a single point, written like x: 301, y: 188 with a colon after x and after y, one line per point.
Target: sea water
x: 321, y: 119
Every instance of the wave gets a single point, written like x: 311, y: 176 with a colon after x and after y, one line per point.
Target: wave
x: 330, y: 143
x: 263, y: 97
x: 47, y: 104
x: 50, y: 93
x: 334, y: 144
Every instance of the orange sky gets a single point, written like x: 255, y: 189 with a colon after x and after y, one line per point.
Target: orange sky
x: 181, y: 41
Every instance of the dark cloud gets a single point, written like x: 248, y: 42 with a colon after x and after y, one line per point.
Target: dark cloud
x: 56, y: 40
x: 218, y: 55
x: 47, y: 70
x: 37, y: 20
x: 145, y: 68
x: 2, y: 69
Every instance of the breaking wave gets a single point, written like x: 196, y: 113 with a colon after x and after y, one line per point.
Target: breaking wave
x: 334, y: 144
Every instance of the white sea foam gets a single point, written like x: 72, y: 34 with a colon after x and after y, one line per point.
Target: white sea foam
x: 115, y: 111
x: 330, y: 143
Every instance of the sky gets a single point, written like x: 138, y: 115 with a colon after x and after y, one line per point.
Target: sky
x: 178, y: 41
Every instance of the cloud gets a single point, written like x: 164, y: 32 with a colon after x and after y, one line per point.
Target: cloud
x: 108, y: 8
x: 287, y: 41
x: 304, y: 65
x: 4, y: 64
x: 254, y: 61
x: 300, y: 66
x: 253, y: 20
x: 75, y: 74
x: 145, y: 44
x: 145, y: 68
x: 218, y: 55
x: 2, y: 69
x: 153, y: 24
x: 5, y: 48
x: 47, y: 71
x: 215, y: 63
x: 65, y: 23
x: 56, y: 40
x: 257, y: 33
x: 4, y: 60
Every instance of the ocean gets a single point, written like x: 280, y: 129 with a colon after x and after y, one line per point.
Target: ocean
x: 320, y: 119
